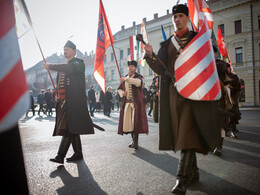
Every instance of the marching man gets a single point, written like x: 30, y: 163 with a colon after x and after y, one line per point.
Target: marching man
x: 132, y: 117
x: 185, y: 125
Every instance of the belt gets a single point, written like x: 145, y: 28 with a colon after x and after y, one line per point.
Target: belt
x: 129, y: 101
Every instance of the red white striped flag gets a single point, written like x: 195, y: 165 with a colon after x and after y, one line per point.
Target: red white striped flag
x: 14, y: 97
x: 195, y: 68
x: 198, y: 9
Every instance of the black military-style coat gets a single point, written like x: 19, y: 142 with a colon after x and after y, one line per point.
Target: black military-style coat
x: 77, y: 114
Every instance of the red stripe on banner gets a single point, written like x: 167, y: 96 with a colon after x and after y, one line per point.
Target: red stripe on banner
x: 200, y: 33
x: 12, y: 87
x: 7, y: 19
x: 199, y: 80
x: 200, y: 54
x: 213, y: 92
x: 131, y: 47
x: 206, y: 10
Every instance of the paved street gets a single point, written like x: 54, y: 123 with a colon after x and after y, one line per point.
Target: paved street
x: 110, y: 167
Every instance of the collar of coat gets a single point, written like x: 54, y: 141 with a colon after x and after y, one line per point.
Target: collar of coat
x: 136, y: 75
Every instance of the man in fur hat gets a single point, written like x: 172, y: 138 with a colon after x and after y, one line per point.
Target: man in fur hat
x: 132, y: 117
x: 185, y: 125
x: 72, y: 116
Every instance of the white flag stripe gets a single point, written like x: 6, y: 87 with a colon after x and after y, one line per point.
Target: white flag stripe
x: 9, y: 52
x: 15, y: 113
x: 205, y: 87
x: 194, y: 72
x: 188, y: 53
x: 100, y: 79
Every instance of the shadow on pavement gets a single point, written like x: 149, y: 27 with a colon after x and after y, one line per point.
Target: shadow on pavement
x: 209, y: 183
x: 83, y: 184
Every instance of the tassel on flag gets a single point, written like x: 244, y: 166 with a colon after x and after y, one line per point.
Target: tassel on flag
x: 104, y: 40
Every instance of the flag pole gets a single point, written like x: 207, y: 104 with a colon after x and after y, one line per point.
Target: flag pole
x: 112, y: 45
x: 30, y: 22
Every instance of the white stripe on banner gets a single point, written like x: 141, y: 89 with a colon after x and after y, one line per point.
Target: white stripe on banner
x: 15, y: 113
x: 100, y: 80
x: 205, y: 87
x: 194, y: 72
x: 9, y: 52
x: 188, y: 53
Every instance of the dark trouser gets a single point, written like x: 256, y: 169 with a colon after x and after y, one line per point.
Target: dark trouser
x: 108, y: 109
x: 68, y: 139
x: 41, y: 108
x: 49, y: 109
x: 92, y: 107
x: 33, y: 111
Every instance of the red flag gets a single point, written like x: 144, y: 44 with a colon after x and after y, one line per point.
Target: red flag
x: 222, y: 48
x: 104, y: 40
x: 14, y: 97
x: 198, y: 9
x: 195, y: 69
x: 221, y: 44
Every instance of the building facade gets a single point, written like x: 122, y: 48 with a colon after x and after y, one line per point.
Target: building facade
x: 239, y: 21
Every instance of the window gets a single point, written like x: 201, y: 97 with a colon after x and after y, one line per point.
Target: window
x: 112, y: 75
x: 221, y: 26
x: 238, y: 28
x: 112, y: 57
x: 121, y: 54
x: 105, y: 59
x: 128, y: 51
x: 239, y: 55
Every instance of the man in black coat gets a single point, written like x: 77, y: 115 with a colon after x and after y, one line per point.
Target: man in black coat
x: 108, y: 101
x: 48, y: 101
x: 92, y: 100
x: 72, y: 116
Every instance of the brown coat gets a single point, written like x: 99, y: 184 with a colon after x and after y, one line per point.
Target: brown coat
x: 140, y: 117
x: 184, y: 124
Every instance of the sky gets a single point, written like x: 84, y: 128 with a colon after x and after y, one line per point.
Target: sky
x: 56, y: 21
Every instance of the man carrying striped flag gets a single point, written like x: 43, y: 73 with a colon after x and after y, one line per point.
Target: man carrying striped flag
x: 14, y: 100
x: 188, y: 95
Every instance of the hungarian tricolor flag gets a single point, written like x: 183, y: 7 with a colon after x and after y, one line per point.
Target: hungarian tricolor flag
x: 104, y: 40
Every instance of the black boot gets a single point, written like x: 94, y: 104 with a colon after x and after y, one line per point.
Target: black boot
x: 232, y: 129
x: 76, y: 144
x: 218, y: 150
x: 183, y: 172
x: 131, y: 145
x: 194, y: 174
x: 135, y: 140
x: 63, y: 149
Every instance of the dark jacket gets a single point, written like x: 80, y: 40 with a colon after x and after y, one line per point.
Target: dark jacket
x: 77, y: 114
x: 41, y: 98
x: 184, y: 124
x: 91, y: 95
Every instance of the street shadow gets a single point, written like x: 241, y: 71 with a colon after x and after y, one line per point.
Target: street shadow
x: 209, y: 183
x: 43, y: 118
x: 83, y: 184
